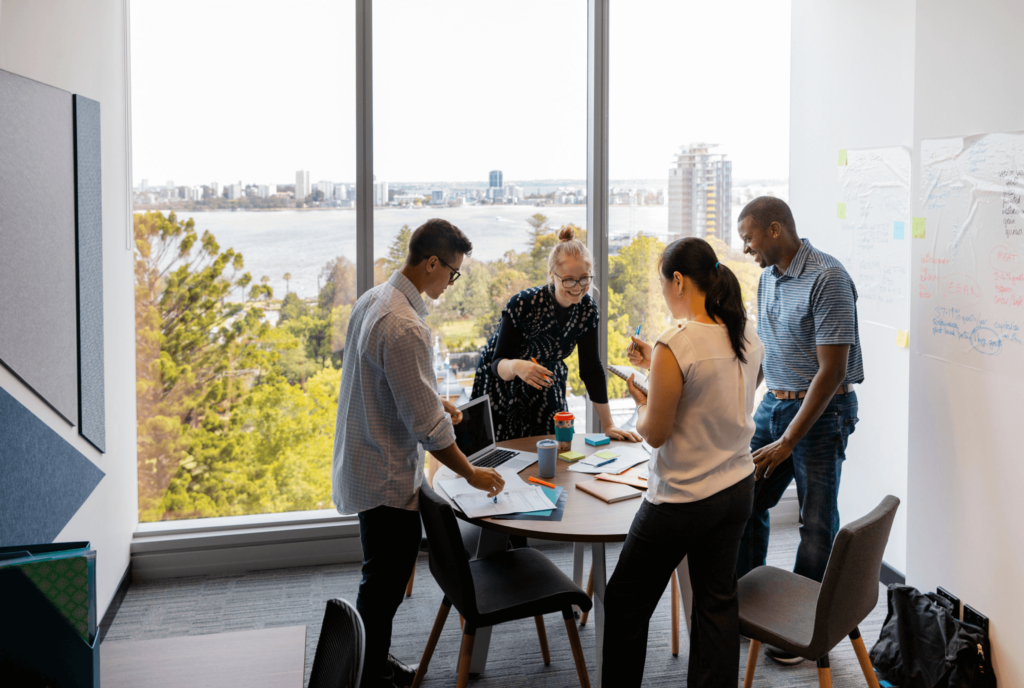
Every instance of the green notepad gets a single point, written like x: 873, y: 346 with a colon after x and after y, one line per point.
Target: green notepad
x: 607, y: 454
x: 571, y: 456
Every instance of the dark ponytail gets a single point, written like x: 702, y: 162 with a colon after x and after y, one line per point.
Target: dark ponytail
x: 694, y: 258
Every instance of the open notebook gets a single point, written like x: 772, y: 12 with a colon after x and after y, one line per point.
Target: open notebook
x: 625, y: 371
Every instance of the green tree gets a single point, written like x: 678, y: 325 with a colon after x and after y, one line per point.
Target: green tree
x: 339, y: 277
x: 196, y: 351
x: 287, y: 282
x: 292, y: 307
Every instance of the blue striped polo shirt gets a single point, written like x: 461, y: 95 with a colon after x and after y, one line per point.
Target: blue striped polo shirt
x: 814, y: 302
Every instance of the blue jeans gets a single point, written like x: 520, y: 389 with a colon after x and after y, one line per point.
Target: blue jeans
x: 816, y: 464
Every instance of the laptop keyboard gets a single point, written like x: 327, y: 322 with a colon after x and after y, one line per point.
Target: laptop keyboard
x: 495, y: 458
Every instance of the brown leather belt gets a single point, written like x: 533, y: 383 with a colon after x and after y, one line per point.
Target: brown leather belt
x: 780, y: 394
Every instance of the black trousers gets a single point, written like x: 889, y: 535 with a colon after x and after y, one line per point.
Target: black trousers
x: 709, y: 533
x: 391, y: 543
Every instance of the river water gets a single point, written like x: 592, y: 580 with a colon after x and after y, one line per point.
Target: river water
x: 299, y: 242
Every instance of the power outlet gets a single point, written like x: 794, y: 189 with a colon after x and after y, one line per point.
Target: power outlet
x: 953, y: 599
x: 976, y: 618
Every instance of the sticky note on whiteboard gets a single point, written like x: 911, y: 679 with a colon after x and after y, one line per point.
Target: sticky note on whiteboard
x: 917, y: 228
x: 842, y: 211
x: 897, y: 231
x: 902, y: 339
x: 842, y: 157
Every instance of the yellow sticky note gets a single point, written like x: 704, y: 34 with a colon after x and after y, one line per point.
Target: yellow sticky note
x: 570, y: 456
x: 902, y: 339
x: 842, y: 211
x: 917, y: 228
x: 607, y: 454
x: 842, y: 157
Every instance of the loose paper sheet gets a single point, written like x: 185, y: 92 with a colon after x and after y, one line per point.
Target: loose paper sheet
x: 967, y: 268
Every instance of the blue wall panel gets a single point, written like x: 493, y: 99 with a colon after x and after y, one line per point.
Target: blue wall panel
x: 43, y: 479
x: 89, y: 217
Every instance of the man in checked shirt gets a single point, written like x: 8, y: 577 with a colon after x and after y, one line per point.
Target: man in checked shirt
x: 388, y: 414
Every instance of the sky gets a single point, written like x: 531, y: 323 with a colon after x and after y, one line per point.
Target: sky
x: 251, y: 91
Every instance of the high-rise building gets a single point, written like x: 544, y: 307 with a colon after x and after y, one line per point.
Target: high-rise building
x: 699, y: 194
x: 380, y: 193
x: 495, y: 181
x: 235, y: 191
x: 145, y: 186
x: 438, y: 197
x: 215, y: 189
x: 302, y: 188
x: 327, y: 188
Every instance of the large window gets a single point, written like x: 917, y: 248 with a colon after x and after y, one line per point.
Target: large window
x: 245, y: 159
x: 480, y: 118
x: 244, y: 163
x: 699, y: 126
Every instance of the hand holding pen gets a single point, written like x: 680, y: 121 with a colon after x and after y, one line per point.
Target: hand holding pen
x: 640, y: 353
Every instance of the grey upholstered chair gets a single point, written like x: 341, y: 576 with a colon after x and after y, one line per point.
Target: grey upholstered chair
x: 806, y: 618
x: 338, y: 662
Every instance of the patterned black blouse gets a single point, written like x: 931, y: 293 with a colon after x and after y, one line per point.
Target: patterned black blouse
x: 520, y: 410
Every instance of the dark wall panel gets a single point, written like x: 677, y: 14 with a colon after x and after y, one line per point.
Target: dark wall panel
x: 38, y: 285
x: 43, y: 479
x: 89, y: 215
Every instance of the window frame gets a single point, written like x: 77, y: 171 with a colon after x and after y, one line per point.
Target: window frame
x: 207, y: 534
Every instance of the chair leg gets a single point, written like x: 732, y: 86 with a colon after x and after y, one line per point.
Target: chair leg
x: 577, y: 648
x: 435, y: 633
x: 543, y: 636
x: 590, y: 594
x: 465, y: 659
x: 674, y: 584
x: 863, y: 658
x: 824, y: 673
x: 412, y: 577
x: 755, y: 650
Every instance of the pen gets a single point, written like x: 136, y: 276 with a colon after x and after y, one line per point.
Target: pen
x: 540, y: 482
x: 535, y: 361
x: 598, y: 465
x: 495, y: 499
x: 632, y: 345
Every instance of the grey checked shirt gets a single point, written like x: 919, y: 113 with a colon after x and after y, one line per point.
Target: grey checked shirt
x: 388, y: 408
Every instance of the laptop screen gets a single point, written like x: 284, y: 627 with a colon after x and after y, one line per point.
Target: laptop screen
x: 474, y: 432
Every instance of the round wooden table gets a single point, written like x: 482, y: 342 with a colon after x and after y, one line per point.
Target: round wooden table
x: 585, y: 520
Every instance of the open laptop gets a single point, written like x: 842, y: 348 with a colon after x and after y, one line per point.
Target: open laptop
x: 475, y: 437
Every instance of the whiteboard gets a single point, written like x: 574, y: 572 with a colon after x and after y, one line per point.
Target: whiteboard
x: 969, y: 281
x: 874, y: 192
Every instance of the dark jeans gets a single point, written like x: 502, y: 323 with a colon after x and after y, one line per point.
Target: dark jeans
x: 391, y: 543
x: 709, y: 533
x: 816, y: 465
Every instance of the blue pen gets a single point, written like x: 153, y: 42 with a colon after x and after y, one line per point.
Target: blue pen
x: 635, y: 334
x: 495, y: 500
x: 598, y: 465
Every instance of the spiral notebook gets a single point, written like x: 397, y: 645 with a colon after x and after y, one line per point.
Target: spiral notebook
x: 625, y: 371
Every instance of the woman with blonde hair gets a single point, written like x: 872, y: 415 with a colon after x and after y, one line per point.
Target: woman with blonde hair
x: 522, y: 367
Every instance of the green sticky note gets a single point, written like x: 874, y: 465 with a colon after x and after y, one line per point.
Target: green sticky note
x: 570, y: 456
x: 607, y: 454
x: 917, y: 228
x: 842, y: 211
x: 842, y: 157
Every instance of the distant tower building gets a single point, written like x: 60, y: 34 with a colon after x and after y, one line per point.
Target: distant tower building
x: 235, y: 191
x: 215, y: 189
x: 302, y: 188
x: 495, y: 179
x: 699, y: 193
x: 327, y: 188
x: 380, y: 193
x: 438, y: 197
x: 145, y: 186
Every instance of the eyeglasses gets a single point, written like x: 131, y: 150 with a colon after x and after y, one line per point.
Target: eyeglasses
x: 572, y: 283
x: 455, y: 273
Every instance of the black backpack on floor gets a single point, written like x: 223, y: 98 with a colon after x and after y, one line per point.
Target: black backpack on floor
x: 923, y: 645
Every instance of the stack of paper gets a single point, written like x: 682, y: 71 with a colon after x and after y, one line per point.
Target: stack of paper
x: 613, y: 461
x: 517, y: 497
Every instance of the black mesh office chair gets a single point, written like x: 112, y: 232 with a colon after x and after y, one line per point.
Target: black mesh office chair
x: 511, y: 585
x: 807, y: 618
x: 338, y: 662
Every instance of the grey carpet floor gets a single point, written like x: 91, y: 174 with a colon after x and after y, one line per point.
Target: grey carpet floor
x: 287, y: 597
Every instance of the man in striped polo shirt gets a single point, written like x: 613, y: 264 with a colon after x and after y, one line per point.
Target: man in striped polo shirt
x: 807, y: 321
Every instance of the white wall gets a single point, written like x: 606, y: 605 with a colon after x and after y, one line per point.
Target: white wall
x: 78, y: 46
x: 966, y: 525
x: 852, y: 70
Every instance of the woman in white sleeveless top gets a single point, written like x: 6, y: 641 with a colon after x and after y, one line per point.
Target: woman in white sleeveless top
x: 698, y: 418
